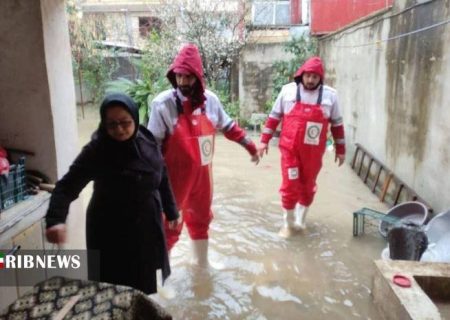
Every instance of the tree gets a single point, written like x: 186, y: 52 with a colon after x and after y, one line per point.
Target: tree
x: 216, y: 27
x: 152, y: 67
x: 91, y: 64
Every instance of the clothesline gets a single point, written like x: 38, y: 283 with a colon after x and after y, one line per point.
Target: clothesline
x: 396, y: 37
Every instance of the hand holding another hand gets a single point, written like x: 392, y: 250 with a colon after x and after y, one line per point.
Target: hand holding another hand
x: 255, y: 158
x: 263, y: 148
x: 175, y: 223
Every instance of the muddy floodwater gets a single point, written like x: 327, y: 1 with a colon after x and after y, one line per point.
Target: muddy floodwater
x: 322, y: 273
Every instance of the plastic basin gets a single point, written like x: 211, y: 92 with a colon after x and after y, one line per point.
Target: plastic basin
x: 438, y: 226
x: 411, y: 211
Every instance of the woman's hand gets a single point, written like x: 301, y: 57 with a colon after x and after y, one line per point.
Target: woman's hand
x: 56, y: 234
x: 175, y: 223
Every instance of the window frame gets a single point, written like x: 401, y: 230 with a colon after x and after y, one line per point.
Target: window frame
x: 274, y: 4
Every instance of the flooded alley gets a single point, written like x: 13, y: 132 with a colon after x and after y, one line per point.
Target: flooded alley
x: 373, y: 74
x: 323, y: 273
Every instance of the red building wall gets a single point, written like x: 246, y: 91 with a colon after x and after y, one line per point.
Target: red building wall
x: 296, y: 12
x: 331, y: 15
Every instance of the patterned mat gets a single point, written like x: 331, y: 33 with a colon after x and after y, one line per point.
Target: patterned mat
x: 63, y: 298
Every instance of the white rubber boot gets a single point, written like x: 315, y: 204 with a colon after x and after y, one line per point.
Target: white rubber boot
x: 288, y: 228
x: 300, y: 217
x: 200, y: 253
x: 166, y: 292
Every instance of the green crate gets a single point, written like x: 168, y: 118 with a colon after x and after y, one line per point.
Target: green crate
x: 13, y: 187
x: 359, y: 219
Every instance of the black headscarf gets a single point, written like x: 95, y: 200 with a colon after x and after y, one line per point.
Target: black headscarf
x: 118, y: 99
x: 122, y: 153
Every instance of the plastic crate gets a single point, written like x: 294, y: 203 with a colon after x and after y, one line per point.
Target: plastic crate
x: 13, y: 188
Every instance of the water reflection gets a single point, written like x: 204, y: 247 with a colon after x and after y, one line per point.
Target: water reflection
x: 323, y: 273
x: 254, y: 274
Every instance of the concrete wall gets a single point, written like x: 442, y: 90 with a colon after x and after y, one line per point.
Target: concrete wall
x: 255, y: 75
x: 37, y: 104
x: 60, y: 82
x: 25, y: 113
x: 395, y: 94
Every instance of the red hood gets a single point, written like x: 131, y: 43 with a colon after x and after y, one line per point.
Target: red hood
x: 313, y: 64
x: 188, y: 61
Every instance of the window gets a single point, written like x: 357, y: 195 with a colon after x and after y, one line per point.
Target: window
x: 149, y: 24
x: 271, y: 13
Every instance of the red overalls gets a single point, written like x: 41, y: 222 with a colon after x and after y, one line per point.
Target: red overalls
x: 302, y: 144
x: 188, y: 153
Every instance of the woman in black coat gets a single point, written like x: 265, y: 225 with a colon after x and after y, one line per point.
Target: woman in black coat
x: 131, y: 190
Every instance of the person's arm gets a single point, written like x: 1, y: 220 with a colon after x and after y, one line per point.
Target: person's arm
x: 337, y: 130
x: 67, y: 190
x: 232, y: 131
x: 235, y: 133
x: 167, y: 197
x: 156, y: 123
x: 271, y: 124
x: 168, y: 201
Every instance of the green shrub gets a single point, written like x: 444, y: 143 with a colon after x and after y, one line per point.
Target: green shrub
x: 231, y: 107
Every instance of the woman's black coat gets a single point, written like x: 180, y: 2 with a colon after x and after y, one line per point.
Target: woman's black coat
x: 124, y: 216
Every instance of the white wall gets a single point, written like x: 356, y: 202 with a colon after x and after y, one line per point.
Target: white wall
x: 25, y: 113
x: 37, y: 104
x: 60, y: 82
x: 395, y: 94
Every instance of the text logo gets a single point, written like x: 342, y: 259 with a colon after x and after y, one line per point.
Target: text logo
x: 28, y: 261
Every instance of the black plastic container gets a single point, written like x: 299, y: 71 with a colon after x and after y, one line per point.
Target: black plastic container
x: 407, y: 242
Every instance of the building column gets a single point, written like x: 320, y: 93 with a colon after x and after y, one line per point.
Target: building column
x: 296, y: 12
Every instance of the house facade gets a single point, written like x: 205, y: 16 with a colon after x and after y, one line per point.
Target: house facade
x: 332, y: 15
x: 37, y: 115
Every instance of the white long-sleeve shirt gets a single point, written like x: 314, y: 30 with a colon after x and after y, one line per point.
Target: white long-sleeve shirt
x: 287, y: 97
x: 164, y: 113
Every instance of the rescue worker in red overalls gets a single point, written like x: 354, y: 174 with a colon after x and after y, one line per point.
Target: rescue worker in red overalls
x: 184, y: 120
x: 307, y: 108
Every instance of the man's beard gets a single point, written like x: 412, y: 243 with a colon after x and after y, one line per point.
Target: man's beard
x: 186, y: 90
x: 311, y: 86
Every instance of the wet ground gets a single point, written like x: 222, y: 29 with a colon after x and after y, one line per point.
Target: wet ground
x: 322, y: 273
